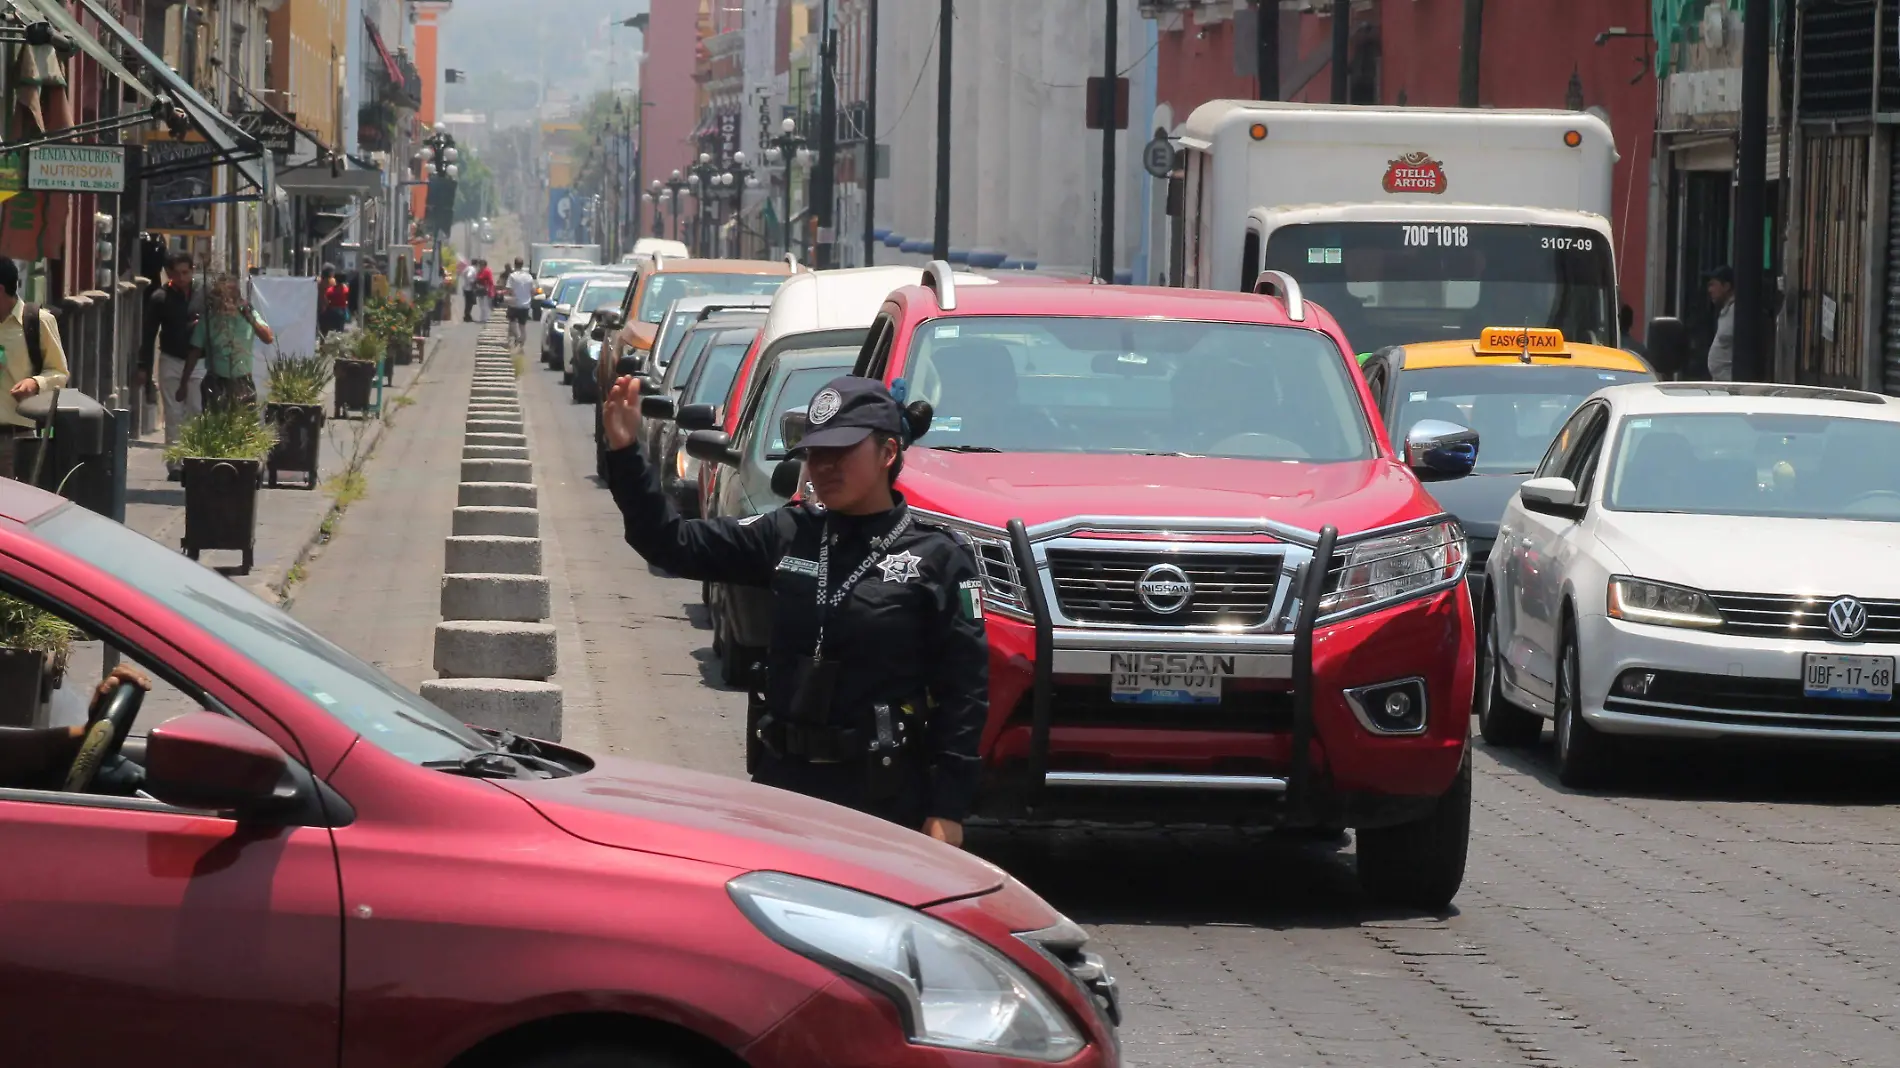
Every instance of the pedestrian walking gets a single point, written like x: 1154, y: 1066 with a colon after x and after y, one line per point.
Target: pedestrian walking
x: 485, y: 288
x: 333, y: 295
x: 468, y: 291
x: 877, y: 681
x: 222, y: 339
x: 1722, y: 349
x: 32, y: 361
x: 520, y: 300
x: 171, y: 314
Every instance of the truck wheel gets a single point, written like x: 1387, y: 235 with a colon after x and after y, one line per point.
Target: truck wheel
x: 1583, y: 752
x: 1420, y: 864
x: 1501, y: 723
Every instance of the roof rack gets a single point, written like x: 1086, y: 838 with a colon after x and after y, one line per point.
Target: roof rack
x: 791, y: 260
x: 1289, y: 292
x: 939, y: 277
x: 659, y: 260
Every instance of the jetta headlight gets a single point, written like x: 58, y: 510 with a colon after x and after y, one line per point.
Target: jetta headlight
x: 1394, y: 567
x: 951, y: 989
x: 1640, y: 601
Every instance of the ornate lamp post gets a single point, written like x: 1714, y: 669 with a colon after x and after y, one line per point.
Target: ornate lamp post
x: 788, y: 147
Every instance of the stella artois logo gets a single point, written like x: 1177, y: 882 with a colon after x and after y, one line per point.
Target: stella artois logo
x: 1415, y: 172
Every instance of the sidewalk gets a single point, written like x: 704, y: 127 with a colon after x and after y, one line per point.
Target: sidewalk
x: 290, y: 521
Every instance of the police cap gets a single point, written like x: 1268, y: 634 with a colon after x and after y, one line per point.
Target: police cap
x: 848, y: 410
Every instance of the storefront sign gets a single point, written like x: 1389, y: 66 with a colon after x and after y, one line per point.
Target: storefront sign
x: 76, y: 168
x: 273, y: 131
x: 12, y: 175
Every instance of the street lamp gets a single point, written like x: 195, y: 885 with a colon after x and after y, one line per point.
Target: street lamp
x: 674, y: 196
x: 788, y: 147
x: 701, y: 179
x: 438, y: 154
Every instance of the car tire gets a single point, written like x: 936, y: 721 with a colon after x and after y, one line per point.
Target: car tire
x: 1501, y: 723
x: 1420, y: 864
x: 1584, y: 754
x: 606, y: 1056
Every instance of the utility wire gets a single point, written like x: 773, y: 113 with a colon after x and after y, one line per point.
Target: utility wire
x: 922, y: 67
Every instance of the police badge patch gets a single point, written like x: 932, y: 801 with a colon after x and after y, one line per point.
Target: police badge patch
x: 824, y: 406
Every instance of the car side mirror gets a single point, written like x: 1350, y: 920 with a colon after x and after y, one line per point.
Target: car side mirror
x: 598, y: 334
x: 609, y: 320
x: 1551, y: 496
x: 564, y: 309
x: 1437, y: 450
x: 793, y: 425
x: 625, y: 366
x: 1668, y: 345
x: 657, y: 407
x: 204, y: 760
x: 698, y: 417
x: 711, y: 446
x: 788, y: 478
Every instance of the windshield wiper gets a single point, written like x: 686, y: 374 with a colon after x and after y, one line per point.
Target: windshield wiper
x: 964, y: 448
x: 492, y: 764
x: 523, y: 751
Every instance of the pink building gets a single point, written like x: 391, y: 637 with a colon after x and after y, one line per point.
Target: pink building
x: 667, y: 85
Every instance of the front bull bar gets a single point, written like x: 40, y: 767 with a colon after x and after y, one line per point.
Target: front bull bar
x: 1299, y: 781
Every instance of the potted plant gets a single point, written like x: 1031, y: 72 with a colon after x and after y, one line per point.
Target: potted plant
x: 295, y: 409
x: 222, y: 450
x: 355, y: 372
x: 394, y: 320
x: 34, y: 644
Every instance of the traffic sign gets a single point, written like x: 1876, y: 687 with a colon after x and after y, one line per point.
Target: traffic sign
x: 1158, y: 157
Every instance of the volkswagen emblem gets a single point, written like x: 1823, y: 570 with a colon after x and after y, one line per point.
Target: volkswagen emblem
x: 1165, y: 589
x: 1847, y: 618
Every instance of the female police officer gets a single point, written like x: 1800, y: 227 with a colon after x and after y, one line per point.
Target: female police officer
x: 877, y: 676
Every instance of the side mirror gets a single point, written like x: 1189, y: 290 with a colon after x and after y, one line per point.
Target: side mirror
x: 563, y: 309
x: 1551, y: 496
x: 597, y: 334
x: 698, y: 417
x: 711, y: 446
x: 793, y: 425
x: 788, y: 478
x: 1668, y: 345
x: 627, y: 365
x: 657, y: 407
x: 1436, y: 450
x: 609, y: 320
x: 204, y: 760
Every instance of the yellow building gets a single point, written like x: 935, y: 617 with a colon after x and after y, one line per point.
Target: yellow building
x: 308, y: 42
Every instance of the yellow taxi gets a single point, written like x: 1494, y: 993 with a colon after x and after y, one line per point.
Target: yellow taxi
x: 1515, y: 387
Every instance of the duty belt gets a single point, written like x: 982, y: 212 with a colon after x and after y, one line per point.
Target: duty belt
x: 824, y: 744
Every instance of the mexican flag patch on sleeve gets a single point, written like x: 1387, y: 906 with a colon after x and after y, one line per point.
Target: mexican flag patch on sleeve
x: 971, y: 593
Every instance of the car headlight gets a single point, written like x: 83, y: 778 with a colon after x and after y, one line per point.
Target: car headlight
x: 1394, y: 567
x: 1640, y: 601
x: 683, y: 465
x: 951, y: 989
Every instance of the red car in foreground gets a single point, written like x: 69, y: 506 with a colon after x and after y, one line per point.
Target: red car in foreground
x: 314, y: 867
x: 1214, y: 593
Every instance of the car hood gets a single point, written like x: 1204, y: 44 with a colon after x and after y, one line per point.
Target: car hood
x: 1827, y: 557
x: 1477, y: 500
x: 660, y: 809
x: 993, y: 488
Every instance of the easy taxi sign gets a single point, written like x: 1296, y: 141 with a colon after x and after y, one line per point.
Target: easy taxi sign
x: 1521, y: 341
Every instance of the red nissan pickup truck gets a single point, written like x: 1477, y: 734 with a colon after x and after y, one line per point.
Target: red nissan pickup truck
x: 1213, y: 591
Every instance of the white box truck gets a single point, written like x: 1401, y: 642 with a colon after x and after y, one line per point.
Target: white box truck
x: 1407, y: 224
x: 541, y: 251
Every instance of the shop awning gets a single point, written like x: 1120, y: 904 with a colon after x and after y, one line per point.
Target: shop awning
x: 236, y: 147
x: 54, y: 12
x: 319, y: 179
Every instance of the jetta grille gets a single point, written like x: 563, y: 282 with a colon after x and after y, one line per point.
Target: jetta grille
x: 1229, y: 589
x: 1775, y: 616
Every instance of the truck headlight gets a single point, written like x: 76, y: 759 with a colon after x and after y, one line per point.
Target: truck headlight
x: 951, y: 989
x: 1641, y: 601
x: 1391, y: 568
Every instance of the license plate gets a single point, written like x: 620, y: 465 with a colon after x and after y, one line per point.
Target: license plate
x: 1167, y: 678
x: 1849, y: 678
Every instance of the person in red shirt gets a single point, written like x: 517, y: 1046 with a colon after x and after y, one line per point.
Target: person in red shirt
x: 333, y: 302
x: 485, y: 287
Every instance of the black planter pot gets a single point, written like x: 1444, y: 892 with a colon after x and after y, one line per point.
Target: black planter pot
x: 354, y: 379
x: 299, y: 440
x: 22, y: 686
x: 400, y: 351
x: 221, y: 506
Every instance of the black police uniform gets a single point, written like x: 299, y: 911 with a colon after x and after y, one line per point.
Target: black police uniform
x: 889, y: 720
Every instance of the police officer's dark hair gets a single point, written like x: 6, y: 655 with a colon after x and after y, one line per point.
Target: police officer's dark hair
x: 897, y: 465
x: 9, y: 276
x: 917, y: 416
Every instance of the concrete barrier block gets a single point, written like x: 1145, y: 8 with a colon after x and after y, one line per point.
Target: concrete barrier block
x: 491, y: 554
x: 494, y: 394
x: 499, y: 409
x: 530, y: 709
x: 494, y: 452
x: 507, y: 522
x: 517, y: 598
x: 493, y: 424
x: 489, y: 649
x: 496, y: 495
x: 497, y: 471
x: 494, y: 439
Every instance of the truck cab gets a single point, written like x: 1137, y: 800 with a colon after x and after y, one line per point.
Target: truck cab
x: 1410, y: 225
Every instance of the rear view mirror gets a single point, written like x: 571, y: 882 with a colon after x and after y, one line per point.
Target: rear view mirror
x: 1551, y: 496
x: 1668, y: 344
x: 711, y: 446
x: 788, y: 478
x: 793, y: 425
x: 657, y: 407
x: 697, y: 417
x: 1436, y: 450
x: 564, y: 309
x: 204, y: 760
x: 1128, y: 364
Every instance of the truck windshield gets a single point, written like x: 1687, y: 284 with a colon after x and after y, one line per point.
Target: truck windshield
x: 1145, y: 386
x: 668, y: 287
x: 1516, y: 410
x: 1401, y: 283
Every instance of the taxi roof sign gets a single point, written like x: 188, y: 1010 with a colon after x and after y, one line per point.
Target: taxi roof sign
x: 1520, y: 341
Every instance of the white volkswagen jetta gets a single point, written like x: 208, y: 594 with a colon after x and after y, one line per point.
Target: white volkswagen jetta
x: 1700, y: 560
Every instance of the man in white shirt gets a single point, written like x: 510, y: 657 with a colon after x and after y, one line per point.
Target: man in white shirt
x: 468, y: 291
x: 520, y: 300
x: 1722, y: 349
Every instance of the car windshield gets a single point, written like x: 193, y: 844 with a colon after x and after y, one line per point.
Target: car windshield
x: 1399, y: 284
x: 1515, y: 409
x: 1155, y: 386
x: 1757, y: 464
x: 798, y: 386
x: 599, y: 295
x: 557, y: 268
x: 569, y: 288
x: 671, y: 335
x: 721, y: 366
x: 667, y: 287
x: 681, y: 369
x: 349, y: 689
